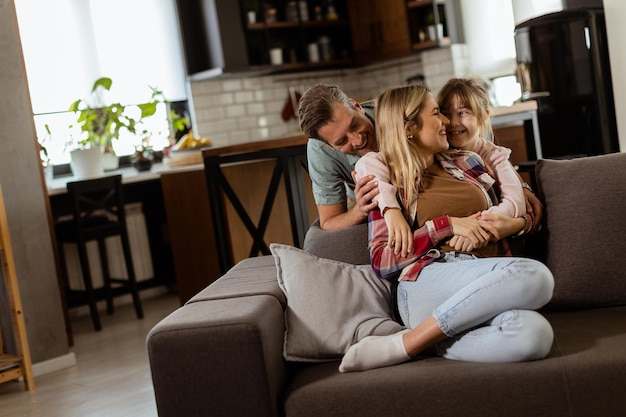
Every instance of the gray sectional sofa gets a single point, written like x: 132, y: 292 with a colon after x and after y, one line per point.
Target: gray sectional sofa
x: 221, y: 354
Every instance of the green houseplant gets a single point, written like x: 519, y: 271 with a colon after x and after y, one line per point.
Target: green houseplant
x: 100, y: 124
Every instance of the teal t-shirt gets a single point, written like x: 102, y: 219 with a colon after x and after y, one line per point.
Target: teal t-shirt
x: 330, y: 170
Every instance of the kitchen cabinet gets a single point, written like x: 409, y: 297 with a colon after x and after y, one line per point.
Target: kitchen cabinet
x: 379, y: 29
x: 433, y: 23
x: 305, y: 33
x: 226, y: 36
x: 190, y: 231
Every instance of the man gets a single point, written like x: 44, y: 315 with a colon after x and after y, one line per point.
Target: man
x: 340, y: 131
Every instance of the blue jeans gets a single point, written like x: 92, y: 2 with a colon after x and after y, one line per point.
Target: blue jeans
x: 483, y: 305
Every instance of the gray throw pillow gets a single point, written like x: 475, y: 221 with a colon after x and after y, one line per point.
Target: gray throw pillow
x: 330, y: 305
x: 585, y: 226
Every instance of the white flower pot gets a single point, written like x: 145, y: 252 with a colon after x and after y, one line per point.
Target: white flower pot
x: 110, y: 161
x: 86, y: 163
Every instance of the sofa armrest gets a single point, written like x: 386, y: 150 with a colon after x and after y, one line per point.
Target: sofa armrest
x: 219, y: 357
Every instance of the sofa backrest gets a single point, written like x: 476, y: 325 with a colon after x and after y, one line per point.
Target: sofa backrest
x: 585, y: 229
x: 346, y: 245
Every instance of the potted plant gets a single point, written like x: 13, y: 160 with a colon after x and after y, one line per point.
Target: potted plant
x: 144, y: 153
x: 101, y: 124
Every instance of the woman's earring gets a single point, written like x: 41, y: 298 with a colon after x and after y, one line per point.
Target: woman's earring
x: 409, y: 137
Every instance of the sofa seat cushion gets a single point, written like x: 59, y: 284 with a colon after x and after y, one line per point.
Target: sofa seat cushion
x: 585, y: 205
x: 583, y: 376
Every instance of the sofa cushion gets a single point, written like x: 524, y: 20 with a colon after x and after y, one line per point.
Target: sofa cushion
x: 330, y: 305
x: 585, y: 227
x: 582, y: 376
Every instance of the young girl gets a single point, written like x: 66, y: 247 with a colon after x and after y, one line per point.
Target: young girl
x: 471, y: 306
x: 465, y: 102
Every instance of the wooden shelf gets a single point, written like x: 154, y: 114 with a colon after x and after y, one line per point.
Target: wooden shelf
x: 287, y: 25
x: 418, y: 3
x: 431, y: 44
x: 12, y: 366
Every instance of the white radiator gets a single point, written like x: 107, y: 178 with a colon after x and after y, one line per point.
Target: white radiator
x: 139, y: 247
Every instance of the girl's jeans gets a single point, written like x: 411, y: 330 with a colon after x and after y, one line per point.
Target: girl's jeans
x: 484, y: 305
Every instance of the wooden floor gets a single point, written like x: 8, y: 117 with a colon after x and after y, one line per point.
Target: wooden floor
x: 112, y: 375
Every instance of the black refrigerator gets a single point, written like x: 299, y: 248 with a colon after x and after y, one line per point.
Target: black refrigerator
x: 563, y: 64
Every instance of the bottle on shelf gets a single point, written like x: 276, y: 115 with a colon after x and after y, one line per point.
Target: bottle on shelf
x: 304, y: 10
x: 326, y: 51
x: 331, y: 13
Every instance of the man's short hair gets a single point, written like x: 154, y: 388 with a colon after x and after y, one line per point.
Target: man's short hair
x: 317, y: 105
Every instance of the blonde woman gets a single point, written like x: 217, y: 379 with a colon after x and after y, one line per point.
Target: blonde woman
x: 468, y: 304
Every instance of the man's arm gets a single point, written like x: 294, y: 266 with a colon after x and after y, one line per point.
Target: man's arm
x: 534, y: 207
x: 338, y: 216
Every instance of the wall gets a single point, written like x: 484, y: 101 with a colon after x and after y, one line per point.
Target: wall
x: 26, y: 199
x: 232, y: 110
x: 615, y: 12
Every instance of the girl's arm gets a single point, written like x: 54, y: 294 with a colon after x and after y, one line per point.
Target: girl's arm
x: 512, y: 201
x: 399, y: 236
x: 372, y: 164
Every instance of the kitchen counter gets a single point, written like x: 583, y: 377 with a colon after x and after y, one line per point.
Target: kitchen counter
x: 522, y: 112
x: 129, y: 175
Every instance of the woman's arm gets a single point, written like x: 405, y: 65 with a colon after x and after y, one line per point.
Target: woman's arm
x: 388, y: 265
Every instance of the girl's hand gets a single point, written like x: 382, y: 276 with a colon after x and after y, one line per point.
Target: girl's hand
x: 400, y: 234
x: 504, y: 225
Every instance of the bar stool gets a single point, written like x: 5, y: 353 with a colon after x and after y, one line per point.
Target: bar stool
x: 98, y: 213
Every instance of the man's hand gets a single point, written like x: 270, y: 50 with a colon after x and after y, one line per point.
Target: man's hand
x: 534, y: 207
x: 365, y: 190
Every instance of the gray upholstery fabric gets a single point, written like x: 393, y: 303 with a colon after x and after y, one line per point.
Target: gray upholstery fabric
x: 585, y: 205
x: 346, y: 245
x: 330, y: 304
x: 580, y: 377
x: 251, y: 276
x: 211, y: 358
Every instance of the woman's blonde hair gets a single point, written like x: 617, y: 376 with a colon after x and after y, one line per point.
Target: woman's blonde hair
x: 472, y: 92
x: 397, y: 110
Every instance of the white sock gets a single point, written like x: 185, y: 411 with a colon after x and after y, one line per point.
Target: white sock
x: 375, y: 352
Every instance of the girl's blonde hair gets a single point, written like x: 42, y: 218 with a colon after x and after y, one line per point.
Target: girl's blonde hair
x: 472, y: 92
x: 397, y: 109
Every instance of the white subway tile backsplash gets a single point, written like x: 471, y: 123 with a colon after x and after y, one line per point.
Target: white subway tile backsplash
x: 238, y: 110
x: 232, y: 85
x: 256, y: 108
x: 244, y: 96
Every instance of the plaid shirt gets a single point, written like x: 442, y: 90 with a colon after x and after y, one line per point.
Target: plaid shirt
x: 462, y: 165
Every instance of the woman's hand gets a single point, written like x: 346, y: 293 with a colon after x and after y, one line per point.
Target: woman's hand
x: 400, y: 234
x: 504, y: 225
x: 470, y: 233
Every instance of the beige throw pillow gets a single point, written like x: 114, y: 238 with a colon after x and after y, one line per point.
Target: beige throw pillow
x: 330, y: 305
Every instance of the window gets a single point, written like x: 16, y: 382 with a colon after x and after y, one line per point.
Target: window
x: 68, y: 44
